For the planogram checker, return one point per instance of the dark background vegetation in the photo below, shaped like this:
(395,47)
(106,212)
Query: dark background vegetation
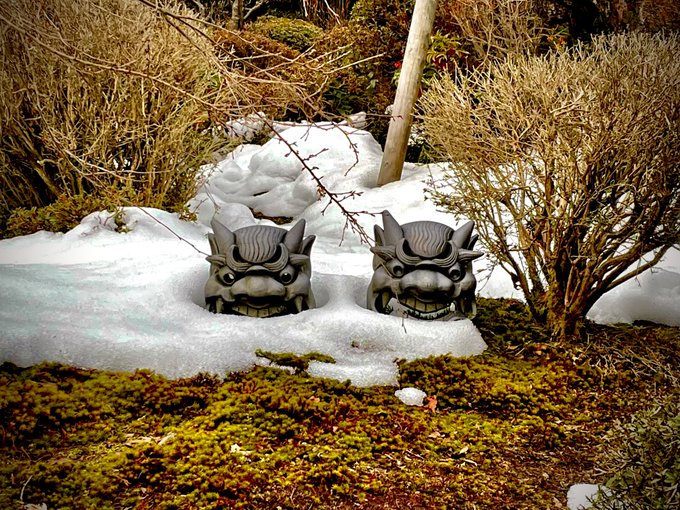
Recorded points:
(344,56)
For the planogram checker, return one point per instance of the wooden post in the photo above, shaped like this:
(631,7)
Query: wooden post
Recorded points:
(236,20)
(407,91)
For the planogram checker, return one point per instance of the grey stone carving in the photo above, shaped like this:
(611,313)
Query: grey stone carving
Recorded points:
(423,269)
(259,271)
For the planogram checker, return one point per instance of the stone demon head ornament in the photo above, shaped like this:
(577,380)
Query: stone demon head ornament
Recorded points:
(259,271)
(423,269)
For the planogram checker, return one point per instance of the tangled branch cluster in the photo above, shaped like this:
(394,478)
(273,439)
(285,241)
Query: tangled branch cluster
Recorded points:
(569,163)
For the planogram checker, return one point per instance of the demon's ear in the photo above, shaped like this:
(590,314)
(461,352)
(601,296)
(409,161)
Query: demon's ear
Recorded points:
(393,231)
(307,243)
(214,249)
(217,260)
(379,235)
(222,238)
(293,238)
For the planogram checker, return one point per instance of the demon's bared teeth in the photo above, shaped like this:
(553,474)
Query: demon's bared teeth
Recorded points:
(382,302)
(408,302)
(385,297)
(258,312)
(240,309)
(299,302)
(421,310)
(277,309)
(421,306)
(219,305)
(429,316)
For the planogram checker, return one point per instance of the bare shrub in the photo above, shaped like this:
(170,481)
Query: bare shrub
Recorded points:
(569,164)
(326,12)
(493,29)
(117,98)
(280,81)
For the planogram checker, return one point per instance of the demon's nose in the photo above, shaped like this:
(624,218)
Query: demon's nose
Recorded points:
(258,286)
(425,282)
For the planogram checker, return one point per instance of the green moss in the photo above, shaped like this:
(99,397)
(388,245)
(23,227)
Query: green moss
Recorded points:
(512,428)
(534,396)
(494,385)
(296,33)
(507,325)
(51,404)
(299,363)
(62,215)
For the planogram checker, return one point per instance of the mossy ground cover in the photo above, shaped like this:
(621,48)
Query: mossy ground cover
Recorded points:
(512,428)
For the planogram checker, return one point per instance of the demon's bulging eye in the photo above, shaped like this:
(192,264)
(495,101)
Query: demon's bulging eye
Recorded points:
(456,273)
(227,277)
(395,267)
(287,275)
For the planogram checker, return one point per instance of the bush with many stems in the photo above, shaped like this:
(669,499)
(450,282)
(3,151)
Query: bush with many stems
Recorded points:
(117,100)
(569,163)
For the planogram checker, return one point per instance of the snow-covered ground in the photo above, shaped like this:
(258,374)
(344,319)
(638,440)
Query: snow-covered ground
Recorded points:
(97,298)
(580,495)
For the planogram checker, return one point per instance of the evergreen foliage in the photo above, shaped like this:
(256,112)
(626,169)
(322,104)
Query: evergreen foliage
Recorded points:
(296,33)
(643,458)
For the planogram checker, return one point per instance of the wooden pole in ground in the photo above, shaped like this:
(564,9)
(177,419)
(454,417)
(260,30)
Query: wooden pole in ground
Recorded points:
(236,20)
(407,91)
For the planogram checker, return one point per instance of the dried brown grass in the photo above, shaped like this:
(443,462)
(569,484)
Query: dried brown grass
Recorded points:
(493,29)
(118,98)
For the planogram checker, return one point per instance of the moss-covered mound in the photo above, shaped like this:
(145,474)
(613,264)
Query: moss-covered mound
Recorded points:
(513,428)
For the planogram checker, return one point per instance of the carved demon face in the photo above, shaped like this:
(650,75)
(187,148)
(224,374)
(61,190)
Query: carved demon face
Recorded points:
(259,271)
(423,269)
